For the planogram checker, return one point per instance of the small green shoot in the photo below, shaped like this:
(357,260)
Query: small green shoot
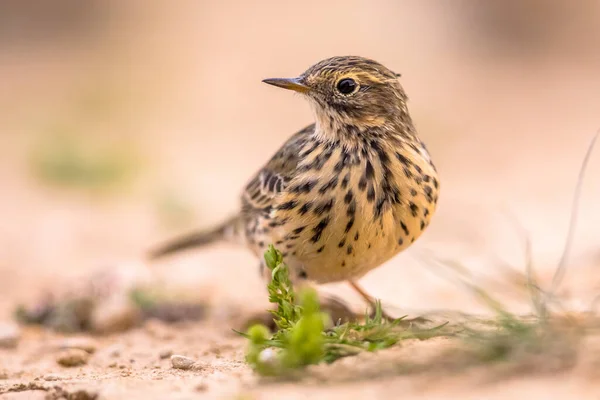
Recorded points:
(302,339)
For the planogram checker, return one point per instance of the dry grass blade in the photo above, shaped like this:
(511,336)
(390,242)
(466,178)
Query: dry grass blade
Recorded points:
(536,293)
(464,278)
(561,268)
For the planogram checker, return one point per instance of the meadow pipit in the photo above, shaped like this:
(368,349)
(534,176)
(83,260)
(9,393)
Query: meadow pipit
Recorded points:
(345,194)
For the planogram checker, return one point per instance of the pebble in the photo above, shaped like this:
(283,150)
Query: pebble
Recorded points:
(201,387)
(82,343)
(53,377)
(165,354)
(73,357)
(117,314)
(58,392)
(182,362)
(268,356)
(9,335)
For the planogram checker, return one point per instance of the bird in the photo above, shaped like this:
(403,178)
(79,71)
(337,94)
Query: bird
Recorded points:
(346,193)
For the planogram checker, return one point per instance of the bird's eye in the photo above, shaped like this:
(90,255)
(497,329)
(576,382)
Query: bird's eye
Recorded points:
(347,86)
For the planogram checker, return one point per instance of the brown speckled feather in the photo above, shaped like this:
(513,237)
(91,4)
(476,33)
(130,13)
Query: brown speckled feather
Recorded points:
(273,179)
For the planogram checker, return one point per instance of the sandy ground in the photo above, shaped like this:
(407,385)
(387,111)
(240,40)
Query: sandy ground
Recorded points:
(508,132)
(128,366)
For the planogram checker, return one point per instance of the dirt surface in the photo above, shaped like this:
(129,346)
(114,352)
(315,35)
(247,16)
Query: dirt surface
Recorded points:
(129,366)
(178,91)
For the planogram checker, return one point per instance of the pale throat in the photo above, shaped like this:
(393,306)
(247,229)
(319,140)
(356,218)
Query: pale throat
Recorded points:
(331,126)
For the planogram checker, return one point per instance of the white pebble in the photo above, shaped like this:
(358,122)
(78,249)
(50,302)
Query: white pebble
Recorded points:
(267,356)
(182,362)
(9,335)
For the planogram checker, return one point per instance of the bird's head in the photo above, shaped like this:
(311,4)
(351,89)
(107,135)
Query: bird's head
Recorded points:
(350,90)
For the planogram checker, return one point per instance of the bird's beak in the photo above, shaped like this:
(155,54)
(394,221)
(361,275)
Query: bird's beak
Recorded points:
(294,84)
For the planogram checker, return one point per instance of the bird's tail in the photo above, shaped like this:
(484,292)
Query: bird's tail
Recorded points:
(229,230)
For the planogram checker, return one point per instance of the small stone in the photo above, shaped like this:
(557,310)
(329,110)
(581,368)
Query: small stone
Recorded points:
(82,343)
(165,354)
(3,375)
(182,362)
(115,315)
(52,377)
(82,395)
(9,335)
(267,356)
(73,357)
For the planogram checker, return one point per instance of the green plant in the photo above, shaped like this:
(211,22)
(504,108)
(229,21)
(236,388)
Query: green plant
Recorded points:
(301,337)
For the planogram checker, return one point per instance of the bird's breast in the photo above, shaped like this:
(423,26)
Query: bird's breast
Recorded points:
(347,213)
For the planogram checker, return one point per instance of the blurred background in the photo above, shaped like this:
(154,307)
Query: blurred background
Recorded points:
(125,122)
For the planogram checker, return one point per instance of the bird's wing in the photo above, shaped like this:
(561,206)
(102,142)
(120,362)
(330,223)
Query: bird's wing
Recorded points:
(274,177)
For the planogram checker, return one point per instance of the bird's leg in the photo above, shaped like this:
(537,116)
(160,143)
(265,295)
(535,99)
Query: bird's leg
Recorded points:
(369,299)
(372,302)
(338,310)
